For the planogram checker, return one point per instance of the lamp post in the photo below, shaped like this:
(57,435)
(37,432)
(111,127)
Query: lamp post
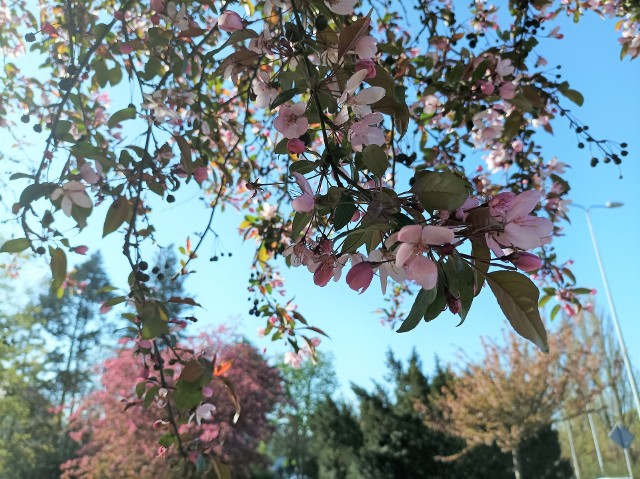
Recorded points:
(612,309)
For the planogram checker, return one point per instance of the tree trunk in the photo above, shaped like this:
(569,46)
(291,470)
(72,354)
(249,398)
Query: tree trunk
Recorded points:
(517,466)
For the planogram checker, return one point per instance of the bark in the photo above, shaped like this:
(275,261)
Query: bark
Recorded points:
(517,466)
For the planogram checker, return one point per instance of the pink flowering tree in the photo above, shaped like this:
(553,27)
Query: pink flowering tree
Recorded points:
(338,126)
(124,429)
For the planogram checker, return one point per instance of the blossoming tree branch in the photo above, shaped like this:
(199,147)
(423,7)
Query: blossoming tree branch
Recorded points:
(340,127)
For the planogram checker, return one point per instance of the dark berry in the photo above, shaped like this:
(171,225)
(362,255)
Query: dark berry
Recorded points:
(594,162)
(40,250)
(170,198)
(25,118)
(72,70)
(580,145)
(37,128)
(321,23)
(66,84)
(155,270)
(30,37)
(160,276)
(143,265)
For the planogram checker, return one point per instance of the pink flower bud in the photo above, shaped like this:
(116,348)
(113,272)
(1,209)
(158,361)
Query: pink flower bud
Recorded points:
(295,146)
(367,64)
(157,6)
(80,249)
(568,309)
(359,277)
(487,88)
(125,48)
(230,22)
(200,174)
(527,262)
(104,308)
(454,304)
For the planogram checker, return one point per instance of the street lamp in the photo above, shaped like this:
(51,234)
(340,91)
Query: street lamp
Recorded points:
(612,309)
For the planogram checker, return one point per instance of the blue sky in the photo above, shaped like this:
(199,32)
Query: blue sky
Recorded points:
(589,55)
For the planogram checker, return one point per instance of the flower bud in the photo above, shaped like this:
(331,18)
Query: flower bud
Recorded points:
(359,277)
(366,64)
(527,262)
(295,146)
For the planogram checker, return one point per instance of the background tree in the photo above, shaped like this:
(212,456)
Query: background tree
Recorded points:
(613,406)
(119,417)
(306,389)
(70,318)
(513,393)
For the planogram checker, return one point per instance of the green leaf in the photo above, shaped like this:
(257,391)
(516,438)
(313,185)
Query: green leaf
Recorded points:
(150,396)
(58,267)
(573,95)
(300,221)
(186,396)
(121,115)
(438,305)
(518,299)
(555,311)
(35,192)
(461,282)
(343,213)
(167,439)
(440,191)
(376,160)
(351,34)
(481,255)
(302,166)
(155,320)
(141,387)
(118,213)
(16,245)
(423,299)
(186,158)
(284,97)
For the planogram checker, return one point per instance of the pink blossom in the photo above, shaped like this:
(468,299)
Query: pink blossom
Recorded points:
(517,146)
(292,359)
(104,308)
(72,192)
(359,276)
(504,67)
(261,86)
(387,263)
(366,47)
(368,65)
(508,90)
(364,132)
(291,121)
(295,146)
(305,202)
(416,240)
(204,412)
(88,174)
(521,230)
(431,103)
(360,102)
(341,7)
(230,22)
(423,271)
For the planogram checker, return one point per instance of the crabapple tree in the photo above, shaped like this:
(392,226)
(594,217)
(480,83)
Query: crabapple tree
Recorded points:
(340,126)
